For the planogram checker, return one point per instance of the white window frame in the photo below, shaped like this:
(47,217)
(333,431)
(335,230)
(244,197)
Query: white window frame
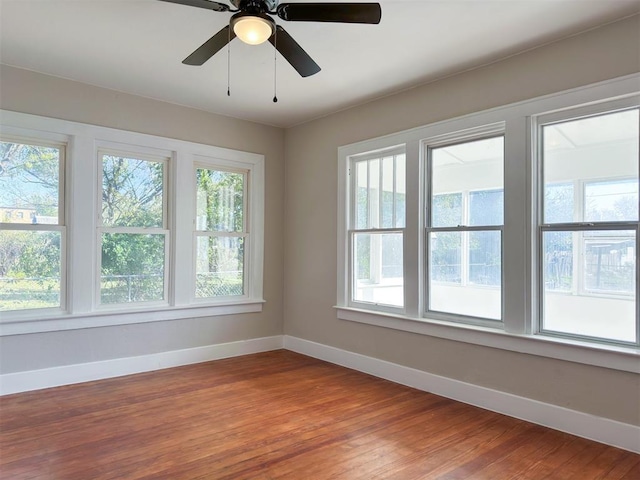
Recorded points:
(520,308)
(247,280)
(81,308)
(30,137)
(538,122)
(148,155)
(354,230)
(456,138)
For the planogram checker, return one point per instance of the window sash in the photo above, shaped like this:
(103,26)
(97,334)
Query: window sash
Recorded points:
(578,224)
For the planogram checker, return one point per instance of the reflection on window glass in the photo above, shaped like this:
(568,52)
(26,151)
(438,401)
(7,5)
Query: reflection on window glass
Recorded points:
(132,268)
(29,269)
(379,269)
(219,266)
(132,192)
(29,183)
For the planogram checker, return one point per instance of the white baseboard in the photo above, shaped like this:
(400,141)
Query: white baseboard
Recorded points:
(581,424)
(85,372)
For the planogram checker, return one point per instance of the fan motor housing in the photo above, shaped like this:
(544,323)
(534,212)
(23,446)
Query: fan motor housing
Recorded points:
(269,5)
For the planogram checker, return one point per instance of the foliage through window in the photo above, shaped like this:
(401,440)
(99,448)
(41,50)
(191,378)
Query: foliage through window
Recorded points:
(221,233)
(133,235)
(32,232)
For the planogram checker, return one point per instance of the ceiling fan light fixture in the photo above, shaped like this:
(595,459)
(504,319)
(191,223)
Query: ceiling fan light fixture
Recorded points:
(252,29)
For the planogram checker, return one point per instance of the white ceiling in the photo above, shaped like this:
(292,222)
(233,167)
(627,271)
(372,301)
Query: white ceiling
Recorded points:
(137,46)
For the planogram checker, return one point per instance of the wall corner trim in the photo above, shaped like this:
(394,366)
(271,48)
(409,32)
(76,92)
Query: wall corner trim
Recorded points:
(581,424)
(85,372)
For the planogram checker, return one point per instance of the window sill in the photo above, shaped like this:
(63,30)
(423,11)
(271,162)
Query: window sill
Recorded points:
(607,356)
(35,322)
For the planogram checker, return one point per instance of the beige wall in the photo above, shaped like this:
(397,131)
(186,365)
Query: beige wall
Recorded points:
(29,92)
(308,216)
(310,222)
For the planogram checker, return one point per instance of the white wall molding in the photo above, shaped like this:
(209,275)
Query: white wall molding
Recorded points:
(581,424)
(85,372)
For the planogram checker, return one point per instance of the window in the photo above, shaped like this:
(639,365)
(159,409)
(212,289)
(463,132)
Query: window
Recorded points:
(140,229)
(520,228)
(133,236)
(377,229)
(32,231)
(465,221)
(221,232)
(589,225)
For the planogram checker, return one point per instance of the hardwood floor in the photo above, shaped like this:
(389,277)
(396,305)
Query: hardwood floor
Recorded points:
(279,415)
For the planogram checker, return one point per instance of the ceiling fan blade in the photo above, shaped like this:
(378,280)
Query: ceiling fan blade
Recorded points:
(330,12)
(208,4)
(209,48)
(293,53)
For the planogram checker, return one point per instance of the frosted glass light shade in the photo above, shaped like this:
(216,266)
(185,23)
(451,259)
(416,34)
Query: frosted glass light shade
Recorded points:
(252,30)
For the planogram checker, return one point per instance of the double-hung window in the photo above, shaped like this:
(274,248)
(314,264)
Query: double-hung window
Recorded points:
(132,231)
(588,224)
(377,222)
(522,227)
(464,218)
(32,224)
(221,233)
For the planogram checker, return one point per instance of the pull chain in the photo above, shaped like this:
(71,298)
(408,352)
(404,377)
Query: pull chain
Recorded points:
(229,64)
(275,64)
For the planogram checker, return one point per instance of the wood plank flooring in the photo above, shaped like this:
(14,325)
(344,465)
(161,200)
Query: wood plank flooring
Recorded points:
(279,415)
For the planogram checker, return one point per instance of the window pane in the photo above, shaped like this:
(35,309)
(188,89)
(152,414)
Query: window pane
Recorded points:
(474,165)
(445,260)
(29,183)
(220,201)
(380,192)
(611,201)
(485,258)
(219,266)
(132,192)
(132,268)
(558,203)
(448,290)
(379,269)
(401,191)
(362,194)
(486,207)
(29,270)
(558,261)
(446,210)
(604,306)
(601,151)
(610,264)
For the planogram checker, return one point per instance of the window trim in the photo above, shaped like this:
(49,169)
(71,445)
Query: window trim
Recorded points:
(83,141)
(520,185)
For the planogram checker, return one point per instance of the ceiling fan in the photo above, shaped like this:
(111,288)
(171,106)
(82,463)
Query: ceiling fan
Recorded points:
(252,23)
